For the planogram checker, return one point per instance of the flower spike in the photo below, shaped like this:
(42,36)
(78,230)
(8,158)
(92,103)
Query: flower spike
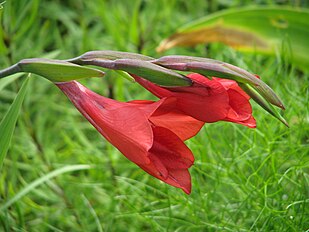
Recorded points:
(158,71)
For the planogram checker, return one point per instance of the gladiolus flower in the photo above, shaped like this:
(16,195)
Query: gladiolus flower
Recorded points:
(208,100)
(148,133)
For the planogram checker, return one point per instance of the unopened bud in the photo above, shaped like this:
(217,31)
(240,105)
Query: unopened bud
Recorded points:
(108,55)
(149,71)
(262,102)
(209,67)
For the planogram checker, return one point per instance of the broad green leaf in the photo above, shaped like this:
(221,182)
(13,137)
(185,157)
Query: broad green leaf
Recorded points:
(267,30)
(41,180)
(7,124)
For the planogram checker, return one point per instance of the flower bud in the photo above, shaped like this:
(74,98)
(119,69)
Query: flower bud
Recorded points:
(147,70)
(209,67)
(262,102)
(108,55)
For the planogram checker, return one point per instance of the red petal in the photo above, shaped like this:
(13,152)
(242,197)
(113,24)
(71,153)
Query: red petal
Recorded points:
(170,160)
(206,100)
(180,178)
(126,127)
(170,149)
(157,150)
(230,84)
(240,107)
(250,122)
(153,88)
(210,108)
(148,107)
(184,126)
(168,116)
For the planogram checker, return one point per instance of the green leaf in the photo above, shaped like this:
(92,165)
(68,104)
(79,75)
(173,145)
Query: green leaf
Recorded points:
(7,125)
(255,29)
(41,180)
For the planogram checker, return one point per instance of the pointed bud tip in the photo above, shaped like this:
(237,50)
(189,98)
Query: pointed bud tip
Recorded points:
(285,122)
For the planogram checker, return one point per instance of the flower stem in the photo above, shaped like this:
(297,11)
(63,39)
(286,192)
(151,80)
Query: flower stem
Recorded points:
(10,70)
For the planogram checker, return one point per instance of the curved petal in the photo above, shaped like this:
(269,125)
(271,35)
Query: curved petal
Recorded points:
(241,110)
(250,122)
(240,107)
(157,150)
(170,159)
(180,178)
(124,126)
(170,149)
(168,116)
(206,100)
(230,84)
(153,88)
(184,126)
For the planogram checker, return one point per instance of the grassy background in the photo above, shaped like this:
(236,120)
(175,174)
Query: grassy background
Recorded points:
(243,179)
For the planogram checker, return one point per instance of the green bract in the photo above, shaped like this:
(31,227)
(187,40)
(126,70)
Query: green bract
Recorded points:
(53,70)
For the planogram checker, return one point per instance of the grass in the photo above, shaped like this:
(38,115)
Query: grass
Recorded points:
(61,175)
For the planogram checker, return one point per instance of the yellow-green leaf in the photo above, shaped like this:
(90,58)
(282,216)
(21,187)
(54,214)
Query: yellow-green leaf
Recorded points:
(255,29)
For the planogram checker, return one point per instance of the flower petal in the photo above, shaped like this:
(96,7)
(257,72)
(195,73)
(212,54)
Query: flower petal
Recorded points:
(240,107)
(184,126)
(205,100)
(170,159)
(124,126)
(170,149)
(168,116)
(180,178)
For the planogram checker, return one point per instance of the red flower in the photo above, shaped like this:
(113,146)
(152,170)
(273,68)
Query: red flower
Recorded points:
(150,134)
(208,100)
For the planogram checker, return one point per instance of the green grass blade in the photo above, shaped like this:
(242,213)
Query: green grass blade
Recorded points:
(7,124)
(43,179)
(6,81)
(251,29)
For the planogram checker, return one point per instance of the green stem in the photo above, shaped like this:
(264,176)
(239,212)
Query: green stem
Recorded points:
(10,70)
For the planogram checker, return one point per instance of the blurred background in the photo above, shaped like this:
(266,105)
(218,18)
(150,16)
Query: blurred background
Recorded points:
(243,179)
